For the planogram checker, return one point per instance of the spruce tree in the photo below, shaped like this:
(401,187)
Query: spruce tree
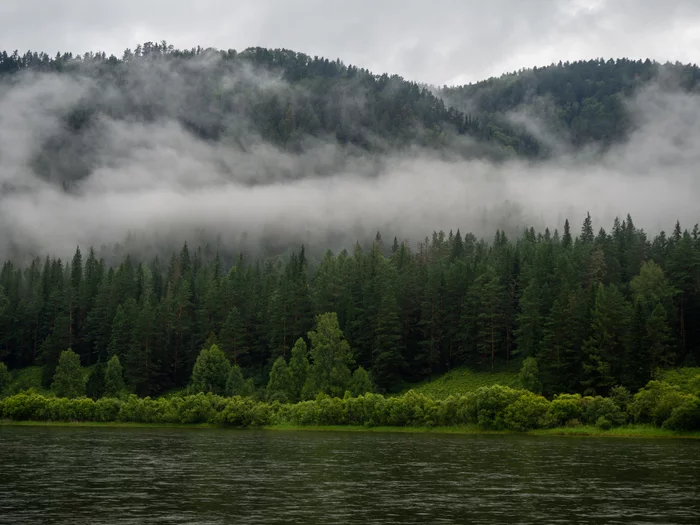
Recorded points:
(68,380)
(210,372)
(114,378)
(280,385)
(95,385)
(299,369)
(331,358)
(236,385)
(360,383)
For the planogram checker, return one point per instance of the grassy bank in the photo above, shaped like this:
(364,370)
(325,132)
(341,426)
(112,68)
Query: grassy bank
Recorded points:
(106,424)
(630,431)
(460,381)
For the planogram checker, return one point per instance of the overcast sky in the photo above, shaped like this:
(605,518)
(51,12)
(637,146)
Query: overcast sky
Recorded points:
(435,41)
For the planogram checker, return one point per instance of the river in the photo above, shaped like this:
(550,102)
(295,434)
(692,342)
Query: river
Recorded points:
(79,475)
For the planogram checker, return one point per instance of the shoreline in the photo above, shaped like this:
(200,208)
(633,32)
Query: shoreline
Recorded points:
(630,431)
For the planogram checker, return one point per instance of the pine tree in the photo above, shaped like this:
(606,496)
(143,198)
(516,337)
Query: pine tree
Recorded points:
(605,348)
(114,378)
(299,369)
(280,385)
(388,346)
(490,319)
(529,376)
(210,372)
(95,386)
(5,378)
(236,385)
(360,383)
(331,358)
(122,327)
(232,337)
(68,380)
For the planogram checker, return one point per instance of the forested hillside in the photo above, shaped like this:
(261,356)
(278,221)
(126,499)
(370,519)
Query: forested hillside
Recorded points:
(285,98)
(595,309)
(583,100)
(99,142)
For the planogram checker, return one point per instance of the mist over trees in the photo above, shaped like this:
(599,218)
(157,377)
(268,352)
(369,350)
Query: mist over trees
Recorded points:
(283,98)
(250,155)
(136,154)
(594,310)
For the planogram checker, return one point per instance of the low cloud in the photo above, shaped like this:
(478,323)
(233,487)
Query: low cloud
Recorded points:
(156,182)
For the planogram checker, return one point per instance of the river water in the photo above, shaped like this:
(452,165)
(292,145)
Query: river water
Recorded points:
(203,476)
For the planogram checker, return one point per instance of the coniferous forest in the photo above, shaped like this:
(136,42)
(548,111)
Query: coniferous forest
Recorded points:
(595,309)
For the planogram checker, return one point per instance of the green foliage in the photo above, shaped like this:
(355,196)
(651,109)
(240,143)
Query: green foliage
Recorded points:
(331,358)
(5,378)
(563,409)
(528,412)
(491,405)
(489,408)
(646,402)
(95,385)
(68,380)
(299,369)
(236,385)
(242,412)
(594,311)
(602,364)
(597,408)
(686,416)
(529,377)
(114,379)
(621,397)
(360,383)
(210,372)
(461,381)
(603,424)
(687,379)
(280,386)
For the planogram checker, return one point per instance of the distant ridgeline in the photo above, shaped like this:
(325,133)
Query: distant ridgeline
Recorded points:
(595,310)
(287,97)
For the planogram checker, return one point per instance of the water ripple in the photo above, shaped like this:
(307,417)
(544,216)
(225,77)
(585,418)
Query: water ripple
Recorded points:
(185,476)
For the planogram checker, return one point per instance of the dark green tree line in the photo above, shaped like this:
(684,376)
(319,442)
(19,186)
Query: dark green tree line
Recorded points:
(594,310)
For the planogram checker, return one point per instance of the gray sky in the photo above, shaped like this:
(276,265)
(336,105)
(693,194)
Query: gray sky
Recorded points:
(438,41)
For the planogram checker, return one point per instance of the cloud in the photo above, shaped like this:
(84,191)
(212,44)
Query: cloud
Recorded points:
(442,42)
(154,181)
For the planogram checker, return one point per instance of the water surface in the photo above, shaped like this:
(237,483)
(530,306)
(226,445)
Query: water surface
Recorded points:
(202,476)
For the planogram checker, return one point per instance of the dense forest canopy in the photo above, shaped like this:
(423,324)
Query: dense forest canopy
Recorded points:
(595,309)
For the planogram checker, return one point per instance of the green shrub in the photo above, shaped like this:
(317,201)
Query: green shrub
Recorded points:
(526,413)
(643,407)
(563,408)
(595,408)
(666,404)
(491,403)
(685,417)
(107,409)
(23,407)
(332,411)
(195,409)
(621,397)
(603,424)
(240,412)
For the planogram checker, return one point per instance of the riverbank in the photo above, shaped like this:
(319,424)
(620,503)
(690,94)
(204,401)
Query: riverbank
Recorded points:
(630,431)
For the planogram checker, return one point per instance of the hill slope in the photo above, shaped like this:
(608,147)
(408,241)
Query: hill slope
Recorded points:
(292,100)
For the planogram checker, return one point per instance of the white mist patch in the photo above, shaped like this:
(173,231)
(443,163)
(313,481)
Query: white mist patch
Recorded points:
(156,179)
